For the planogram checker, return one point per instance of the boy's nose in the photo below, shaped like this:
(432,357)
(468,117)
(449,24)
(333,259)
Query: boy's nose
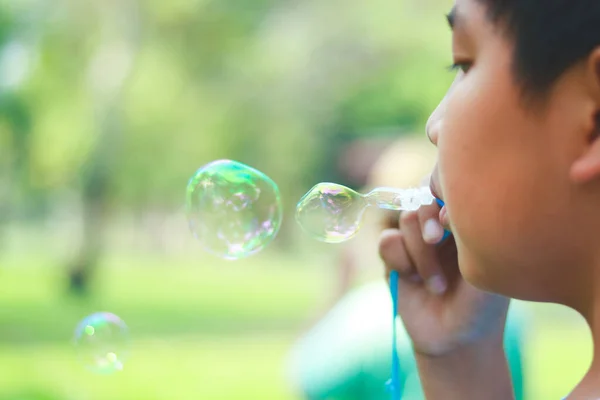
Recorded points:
(433,128)
(434,124)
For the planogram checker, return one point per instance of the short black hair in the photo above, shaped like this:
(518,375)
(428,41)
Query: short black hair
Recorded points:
(550,37)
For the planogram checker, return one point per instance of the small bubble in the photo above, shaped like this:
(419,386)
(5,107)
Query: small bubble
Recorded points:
(102,341)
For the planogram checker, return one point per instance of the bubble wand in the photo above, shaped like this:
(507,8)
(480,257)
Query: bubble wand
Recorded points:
(333,213)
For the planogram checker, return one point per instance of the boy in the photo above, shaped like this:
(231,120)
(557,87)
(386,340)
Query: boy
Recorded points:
(518,136)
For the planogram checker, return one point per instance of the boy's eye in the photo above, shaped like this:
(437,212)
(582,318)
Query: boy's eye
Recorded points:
(460,66)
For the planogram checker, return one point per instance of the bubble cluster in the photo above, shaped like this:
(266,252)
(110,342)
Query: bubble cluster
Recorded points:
(233,210)
(102,341)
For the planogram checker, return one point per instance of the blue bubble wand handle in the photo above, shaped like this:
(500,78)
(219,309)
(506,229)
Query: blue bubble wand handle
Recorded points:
(394,384)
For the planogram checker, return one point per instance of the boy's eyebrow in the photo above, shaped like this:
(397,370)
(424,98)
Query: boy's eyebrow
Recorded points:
(452,18)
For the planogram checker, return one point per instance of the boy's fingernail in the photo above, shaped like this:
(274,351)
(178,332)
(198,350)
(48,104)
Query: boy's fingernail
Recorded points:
(436,285)
(446,234)
(432,231)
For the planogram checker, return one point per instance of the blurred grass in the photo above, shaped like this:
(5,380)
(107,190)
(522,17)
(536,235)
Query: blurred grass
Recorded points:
(205,329)
(202,367)
(202,328)
(158,297)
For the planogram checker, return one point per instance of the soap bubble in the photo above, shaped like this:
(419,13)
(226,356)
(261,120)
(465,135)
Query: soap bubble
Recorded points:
(331,213)
(102,341)
(234,210)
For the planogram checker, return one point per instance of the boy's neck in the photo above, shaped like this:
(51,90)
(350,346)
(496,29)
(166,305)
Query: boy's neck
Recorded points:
(589,387)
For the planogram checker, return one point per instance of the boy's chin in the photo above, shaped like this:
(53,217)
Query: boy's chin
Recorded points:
(476,273)
(491,277)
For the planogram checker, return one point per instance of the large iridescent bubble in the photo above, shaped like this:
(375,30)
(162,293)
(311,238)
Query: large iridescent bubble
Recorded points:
(233,210)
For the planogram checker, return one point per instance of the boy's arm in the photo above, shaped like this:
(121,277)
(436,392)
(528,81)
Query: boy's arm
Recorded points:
(477,372)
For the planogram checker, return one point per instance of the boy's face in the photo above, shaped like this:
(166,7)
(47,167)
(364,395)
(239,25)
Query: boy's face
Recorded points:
(504,168)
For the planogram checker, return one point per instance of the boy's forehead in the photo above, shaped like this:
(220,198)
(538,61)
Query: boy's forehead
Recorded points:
(452,17)
(456,16)
(466,15)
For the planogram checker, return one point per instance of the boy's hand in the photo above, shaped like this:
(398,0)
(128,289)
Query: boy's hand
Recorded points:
(442,313)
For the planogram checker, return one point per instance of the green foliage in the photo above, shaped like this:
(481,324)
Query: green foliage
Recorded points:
(261,82)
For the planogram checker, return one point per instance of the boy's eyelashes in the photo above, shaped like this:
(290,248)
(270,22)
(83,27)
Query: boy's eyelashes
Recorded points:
(460,66)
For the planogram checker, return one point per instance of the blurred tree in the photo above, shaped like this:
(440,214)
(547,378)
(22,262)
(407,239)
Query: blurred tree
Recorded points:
(16,48)
(127,99)
(108,71)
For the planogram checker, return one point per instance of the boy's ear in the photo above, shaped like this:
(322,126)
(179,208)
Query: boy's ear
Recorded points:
(587,166)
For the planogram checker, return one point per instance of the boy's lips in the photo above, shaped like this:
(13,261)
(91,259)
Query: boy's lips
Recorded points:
(443,215)
(434,192)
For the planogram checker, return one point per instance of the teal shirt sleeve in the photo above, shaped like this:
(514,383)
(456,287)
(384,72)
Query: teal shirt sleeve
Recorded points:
(346,356)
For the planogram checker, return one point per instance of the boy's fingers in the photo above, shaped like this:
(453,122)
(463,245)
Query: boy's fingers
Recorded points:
(423,255)
(431,229)
(392,251)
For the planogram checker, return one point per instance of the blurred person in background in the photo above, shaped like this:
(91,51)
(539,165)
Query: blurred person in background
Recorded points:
(347,354)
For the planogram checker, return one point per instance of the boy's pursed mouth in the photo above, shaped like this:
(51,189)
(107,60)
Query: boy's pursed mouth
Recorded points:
(434,192)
